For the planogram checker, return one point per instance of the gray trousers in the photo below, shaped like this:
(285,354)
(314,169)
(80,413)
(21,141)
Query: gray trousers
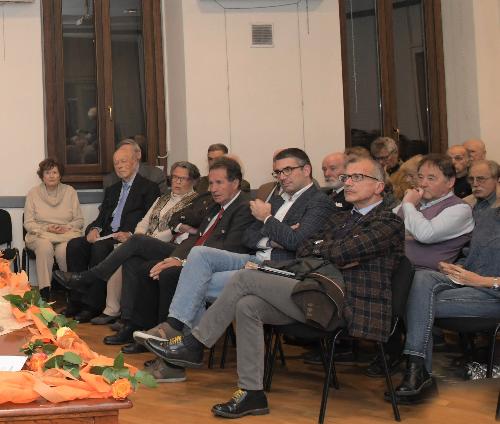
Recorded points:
(253,299)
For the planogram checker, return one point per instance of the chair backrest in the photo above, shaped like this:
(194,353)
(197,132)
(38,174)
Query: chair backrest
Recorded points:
(401,285)
(5,227)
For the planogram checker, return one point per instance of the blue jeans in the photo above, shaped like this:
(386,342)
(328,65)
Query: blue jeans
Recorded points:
(434,295)
(205,274)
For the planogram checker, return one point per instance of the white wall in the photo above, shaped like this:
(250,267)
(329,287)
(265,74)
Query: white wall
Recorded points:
(255,100)
(22,119)
(471,35)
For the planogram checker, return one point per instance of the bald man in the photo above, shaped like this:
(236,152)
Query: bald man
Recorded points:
(476,149)
(461,161)
(333,165)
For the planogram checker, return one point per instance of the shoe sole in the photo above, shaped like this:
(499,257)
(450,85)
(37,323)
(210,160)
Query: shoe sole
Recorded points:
(417,391)
(262,411)
(141,337)
(170,380)
(107,322)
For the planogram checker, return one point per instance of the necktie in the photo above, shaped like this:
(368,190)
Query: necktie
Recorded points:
(204,237)
(117,214)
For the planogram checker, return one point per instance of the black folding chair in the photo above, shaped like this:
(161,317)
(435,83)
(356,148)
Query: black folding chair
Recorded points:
(6,238)
(401,284)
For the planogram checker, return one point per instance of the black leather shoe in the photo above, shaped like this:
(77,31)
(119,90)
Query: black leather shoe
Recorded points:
(132,348)
(117,325)
(174,351)
(376,367)
(85,316)
(72,309)
(243,403)
(78,281)
(45,294)
(416,379)
(103,319)
(124,336)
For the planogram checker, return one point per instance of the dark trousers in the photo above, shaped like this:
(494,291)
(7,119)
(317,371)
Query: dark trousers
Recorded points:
(80,254)
(153,304)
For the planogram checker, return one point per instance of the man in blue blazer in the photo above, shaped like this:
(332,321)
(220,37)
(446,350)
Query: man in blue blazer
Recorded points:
(124,205)
(280,226)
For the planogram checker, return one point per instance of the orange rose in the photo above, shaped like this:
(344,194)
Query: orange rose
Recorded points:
(121,388)
(36,362)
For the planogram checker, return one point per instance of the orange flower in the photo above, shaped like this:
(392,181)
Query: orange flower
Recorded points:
(121,388)
(36,362)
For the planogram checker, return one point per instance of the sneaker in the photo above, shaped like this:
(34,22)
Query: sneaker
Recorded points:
(162,332)
(163,373)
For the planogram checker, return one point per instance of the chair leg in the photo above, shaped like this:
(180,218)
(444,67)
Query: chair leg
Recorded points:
(224,347)
(211,356)
(489,371)
(280,351)
(272,360)
(497,417)
(328,377)
(390,386)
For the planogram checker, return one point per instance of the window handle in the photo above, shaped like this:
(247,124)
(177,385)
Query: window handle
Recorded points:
(110,112)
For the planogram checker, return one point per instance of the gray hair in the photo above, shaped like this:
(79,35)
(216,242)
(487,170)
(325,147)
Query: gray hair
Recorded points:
(193,171)
(491,164)
(130,142)
(383,143)
(378,169)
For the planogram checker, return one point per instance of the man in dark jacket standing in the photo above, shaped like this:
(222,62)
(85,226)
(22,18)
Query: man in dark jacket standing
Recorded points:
(365,243)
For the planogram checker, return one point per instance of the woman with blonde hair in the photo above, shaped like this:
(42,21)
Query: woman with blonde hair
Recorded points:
(405,177)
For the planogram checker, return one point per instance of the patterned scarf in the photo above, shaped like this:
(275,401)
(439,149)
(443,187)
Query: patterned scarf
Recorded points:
(155,223)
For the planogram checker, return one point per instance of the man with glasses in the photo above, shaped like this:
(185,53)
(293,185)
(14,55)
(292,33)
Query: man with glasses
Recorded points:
(279,227)
(461,161)
(484,178)
(365,244)
(385,151)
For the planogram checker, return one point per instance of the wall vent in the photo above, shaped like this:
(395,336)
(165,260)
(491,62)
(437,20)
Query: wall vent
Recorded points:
(262,35)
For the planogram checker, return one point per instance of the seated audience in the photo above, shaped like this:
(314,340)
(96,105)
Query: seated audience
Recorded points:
(366,244)
(150,241)
(470,288)
(279,228)
(476,149)
(405,177)
(124,205)
(385,151)
(357,151)
(150,172)
(216,151)
(461,161)
(438,224)
(484,177)
(52,217)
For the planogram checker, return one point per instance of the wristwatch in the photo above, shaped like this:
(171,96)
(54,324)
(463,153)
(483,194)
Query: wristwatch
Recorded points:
(496,284)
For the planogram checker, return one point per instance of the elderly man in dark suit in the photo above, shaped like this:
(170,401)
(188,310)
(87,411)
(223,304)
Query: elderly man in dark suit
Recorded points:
(366,244)
(279,227)
(124,205)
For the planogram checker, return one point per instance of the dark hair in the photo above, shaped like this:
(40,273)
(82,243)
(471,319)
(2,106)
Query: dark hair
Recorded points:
(233,168)
(48,164)
(218,147)
(294,153)
(443,162)
(194,172)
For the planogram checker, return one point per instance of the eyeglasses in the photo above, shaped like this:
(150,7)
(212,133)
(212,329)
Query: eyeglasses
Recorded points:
(179,179)
(356,178)
(285,171)
(479,180)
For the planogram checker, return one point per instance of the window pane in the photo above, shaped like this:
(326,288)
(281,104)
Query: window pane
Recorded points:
(363,72)
(80,88)
(129,105)
(410,77)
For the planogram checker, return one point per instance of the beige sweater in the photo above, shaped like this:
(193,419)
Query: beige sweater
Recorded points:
(42,210)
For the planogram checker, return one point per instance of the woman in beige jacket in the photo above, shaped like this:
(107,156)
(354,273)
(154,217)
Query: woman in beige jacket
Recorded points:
(52,216)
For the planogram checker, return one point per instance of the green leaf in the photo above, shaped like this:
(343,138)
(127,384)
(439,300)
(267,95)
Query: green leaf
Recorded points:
(122,372)
(54,362)
(17,301)
(74,371)
(48,314)
(49,348)
(72,358)
(97,370)
(119,362)
(146,378)
(109,375)
(40,316)
(60,321)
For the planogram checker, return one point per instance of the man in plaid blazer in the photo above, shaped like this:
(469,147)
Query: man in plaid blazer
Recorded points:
(365,244)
